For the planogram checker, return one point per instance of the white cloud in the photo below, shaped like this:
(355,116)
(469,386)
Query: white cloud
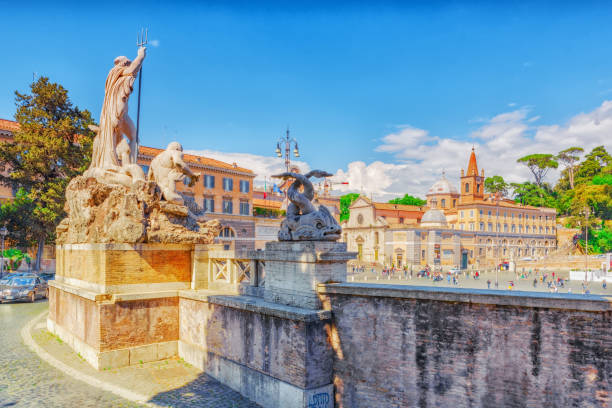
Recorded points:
(262,166)
(154,43)
(419,158)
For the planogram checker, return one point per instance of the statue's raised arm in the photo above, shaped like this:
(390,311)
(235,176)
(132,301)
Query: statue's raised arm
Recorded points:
(134,67)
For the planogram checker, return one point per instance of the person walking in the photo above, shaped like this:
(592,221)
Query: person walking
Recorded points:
(488,283)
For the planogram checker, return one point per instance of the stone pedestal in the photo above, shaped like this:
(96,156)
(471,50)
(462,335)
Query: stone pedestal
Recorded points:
(293,270)
(117,304)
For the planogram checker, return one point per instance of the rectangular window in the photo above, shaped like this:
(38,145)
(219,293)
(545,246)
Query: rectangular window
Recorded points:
(244,207)
(505,227)
(187,180)
(482,226)
(401,220)
(471,226)
(228,184)
(244,186)
(489,213)
(209,204)
(490,227)
(209,181)
(461,214)
(482,212)
(228,207)
(471,213)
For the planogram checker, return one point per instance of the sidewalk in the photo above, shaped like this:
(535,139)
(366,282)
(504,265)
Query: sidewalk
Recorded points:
(167,383)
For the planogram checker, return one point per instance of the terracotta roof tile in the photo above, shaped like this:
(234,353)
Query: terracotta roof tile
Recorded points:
(260,202)
(400,207)
(189,158)
(11,125)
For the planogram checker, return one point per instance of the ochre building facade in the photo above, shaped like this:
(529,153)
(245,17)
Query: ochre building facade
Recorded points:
(459,228)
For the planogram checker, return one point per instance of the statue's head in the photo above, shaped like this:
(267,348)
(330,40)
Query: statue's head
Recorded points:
(175,146)
(122,61)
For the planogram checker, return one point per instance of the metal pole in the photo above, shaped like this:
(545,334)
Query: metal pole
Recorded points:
(2,266)
(497,239)
(287,151)
(138,113)
(586,252)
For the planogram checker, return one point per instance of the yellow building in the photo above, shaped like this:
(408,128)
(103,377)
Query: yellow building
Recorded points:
(460,228)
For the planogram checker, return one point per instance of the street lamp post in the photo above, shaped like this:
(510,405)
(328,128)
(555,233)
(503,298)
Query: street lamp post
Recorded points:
(587,212)
(497,239)
(3,233)
(288,141)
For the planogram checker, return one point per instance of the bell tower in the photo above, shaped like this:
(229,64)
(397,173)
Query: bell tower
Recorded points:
(472,185)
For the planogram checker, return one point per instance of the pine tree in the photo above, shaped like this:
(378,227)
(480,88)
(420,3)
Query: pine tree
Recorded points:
(52,145)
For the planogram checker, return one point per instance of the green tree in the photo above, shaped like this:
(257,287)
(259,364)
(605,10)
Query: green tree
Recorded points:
(345,202)
(598,161)
(531,194)
(16,215)
(496,184)
(408,200)
(539,164)
(570,157)
(52,145)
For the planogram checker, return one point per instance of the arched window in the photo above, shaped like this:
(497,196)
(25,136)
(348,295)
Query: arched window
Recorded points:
(467,187)
(227,232)
(478,188)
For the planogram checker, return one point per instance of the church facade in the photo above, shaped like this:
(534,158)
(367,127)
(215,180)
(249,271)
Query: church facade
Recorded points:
(462,228)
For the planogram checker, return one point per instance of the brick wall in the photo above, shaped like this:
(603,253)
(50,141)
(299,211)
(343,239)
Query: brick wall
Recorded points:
(414,348)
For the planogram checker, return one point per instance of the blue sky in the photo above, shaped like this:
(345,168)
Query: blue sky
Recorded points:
(350,80)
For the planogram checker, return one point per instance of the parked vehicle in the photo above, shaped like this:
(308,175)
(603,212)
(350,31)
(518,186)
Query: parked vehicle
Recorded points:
(454,271)
(24,288)
(48,276)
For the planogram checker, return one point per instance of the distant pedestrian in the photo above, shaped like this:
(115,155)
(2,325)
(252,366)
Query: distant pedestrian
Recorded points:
(488,283)
(604,284)
(535,282)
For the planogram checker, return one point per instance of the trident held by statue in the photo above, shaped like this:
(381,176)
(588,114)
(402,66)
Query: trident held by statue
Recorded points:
(141,41)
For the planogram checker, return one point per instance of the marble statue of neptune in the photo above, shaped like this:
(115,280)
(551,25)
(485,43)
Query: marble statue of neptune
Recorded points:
(115,122)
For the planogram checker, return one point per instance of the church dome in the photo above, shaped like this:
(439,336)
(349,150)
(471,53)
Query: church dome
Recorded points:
(433,218)
(442,186)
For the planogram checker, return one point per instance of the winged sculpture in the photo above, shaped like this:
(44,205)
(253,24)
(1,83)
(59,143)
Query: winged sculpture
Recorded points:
(304,221)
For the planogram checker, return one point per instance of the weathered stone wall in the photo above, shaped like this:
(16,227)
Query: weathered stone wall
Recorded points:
(76,314)
(115,325)
(138,322)
(405,347)
(280,343)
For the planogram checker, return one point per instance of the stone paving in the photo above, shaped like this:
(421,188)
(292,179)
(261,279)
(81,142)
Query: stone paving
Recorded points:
(595,288)
(26,381)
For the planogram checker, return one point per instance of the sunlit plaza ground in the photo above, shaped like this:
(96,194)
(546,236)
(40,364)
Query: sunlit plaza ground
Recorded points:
(521,281)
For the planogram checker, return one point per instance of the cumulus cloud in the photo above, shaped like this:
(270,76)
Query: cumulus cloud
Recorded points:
(418,158)
(262,166)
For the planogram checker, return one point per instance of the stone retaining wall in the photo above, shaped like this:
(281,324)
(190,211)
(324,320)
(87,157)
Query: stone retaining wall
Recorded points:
(399,346)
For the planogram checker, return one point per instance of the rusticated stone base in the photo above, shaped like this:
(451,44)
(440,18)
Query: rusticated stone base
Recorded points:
(110,332)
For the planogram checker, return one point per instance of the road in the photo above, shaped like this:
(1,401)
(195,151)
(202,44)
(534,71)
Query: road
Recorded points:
(27,381)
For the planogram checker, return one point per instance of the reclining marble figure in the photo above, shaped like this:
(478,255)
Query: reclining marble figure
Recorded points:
(167,168)
(305,222)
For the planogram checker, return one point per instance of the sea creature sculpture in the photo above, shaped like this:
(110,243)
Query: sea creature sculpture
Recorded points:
(305,222)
